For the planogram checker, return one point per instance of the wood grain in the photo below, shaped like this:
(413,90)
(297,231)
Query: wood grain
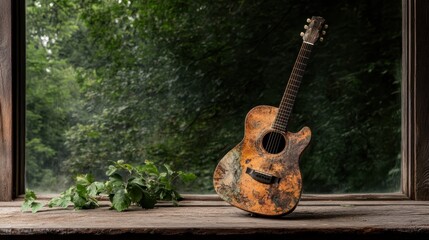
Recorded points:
(415,104)
(6,165)
(422,100)
(407,88)
(196,220)
(239,189)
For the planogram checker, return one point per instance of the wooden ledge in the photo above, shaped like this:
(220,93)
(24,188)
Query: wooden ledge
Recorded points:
(212,219)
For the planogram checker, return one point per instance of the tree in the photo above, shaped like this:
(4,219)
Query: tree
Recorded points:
(171,81)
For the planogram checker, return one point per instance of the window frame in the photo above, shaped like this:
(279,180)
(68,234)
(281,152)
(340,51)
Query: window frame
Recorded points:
(415,105)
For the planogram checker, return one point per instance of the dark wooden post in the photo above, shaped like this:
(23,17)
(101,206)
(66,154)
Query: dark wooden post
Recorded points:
(421,96)
(6,161)
(415,95)
(12,98)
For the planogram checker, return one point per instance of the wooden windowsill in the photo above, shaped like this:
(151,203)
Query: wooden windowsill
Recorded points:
(208,219)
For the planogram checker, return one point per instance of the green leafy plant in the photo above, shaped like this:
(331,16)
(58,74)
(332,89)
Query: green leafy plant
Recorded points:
(30,203)
(142,185)
(81,196)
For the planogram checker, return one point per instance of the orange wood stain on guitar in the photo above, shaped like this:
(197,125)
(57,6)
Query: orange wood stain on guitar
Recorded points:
(239,189)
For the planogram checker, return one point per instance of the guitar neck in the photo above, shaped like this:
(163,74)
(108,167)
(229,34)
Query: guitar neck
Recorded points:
(288,99)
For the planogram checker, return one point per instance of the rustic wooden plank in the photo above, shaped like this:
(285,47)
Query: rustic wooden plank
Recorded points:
(316,197)
(6,166)
(421,97)
(370,219)
(354,196)
(407,91)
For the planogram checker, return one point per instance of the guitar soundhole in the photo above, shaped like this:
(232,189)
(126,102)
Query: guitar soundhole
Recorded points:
(273,142)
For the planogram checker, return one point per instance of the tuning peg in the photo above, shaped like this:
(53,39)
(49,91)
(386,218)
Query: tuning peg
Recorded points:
(305,26)
(323,32)
(326,26)
(301,34)
(321,39)
(308,20)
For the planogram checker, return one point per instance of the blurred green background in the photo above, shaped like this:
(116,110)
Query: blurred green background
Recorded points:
(172,80)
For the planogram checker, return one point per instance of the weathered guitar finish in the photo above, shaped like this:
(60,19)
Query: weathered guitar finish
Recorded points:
(261,174)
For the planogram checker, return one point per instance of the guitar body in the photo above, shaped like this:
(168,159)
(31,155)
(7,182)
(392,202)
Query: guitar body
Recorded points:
(261,174)
(255,180)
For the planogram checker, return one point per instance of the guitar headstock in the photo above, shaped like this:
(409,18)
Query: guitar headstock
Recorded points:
(315,30)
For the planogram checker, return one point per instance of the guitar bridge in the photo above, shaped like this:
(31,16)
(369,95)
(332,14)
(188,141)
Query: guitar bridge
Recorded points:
(262,177)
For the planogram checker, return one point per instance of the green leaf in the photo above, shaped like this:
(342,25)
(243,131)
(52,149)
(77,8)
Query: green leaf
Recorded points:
(30,203)
(81,190)
(148,168)
(112,169)
(116,177)
(121,201)
(95,188)
(135,192)
(168,168)
(116,181)
(84,179)
(26,206)
(78,201)
(62,201)
(148,201)
(163,176)
(29,195)
(139,181)
(125,166)
(187,177)
(36,206)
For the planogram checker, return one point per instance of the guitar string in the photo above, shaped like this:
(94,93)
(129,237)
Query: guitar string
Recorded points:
(273,143)
(303,60)
(297,71)
(305,51)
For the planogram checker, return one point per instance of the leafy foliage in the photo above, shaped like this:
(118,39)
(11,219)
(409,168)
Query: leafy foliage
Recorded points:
(172,81)
(81,196)
(141,185)
(30,203)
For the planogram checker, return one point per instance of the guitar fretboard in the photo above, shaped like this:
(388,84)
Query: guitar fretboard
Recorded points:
(288,100)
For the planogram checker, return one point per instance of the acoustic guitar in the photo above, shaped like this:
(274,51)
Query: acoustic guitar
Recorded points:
(261,174)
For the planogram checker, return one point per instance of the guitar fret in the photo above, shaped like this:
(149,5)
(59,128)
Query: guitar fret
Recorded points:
(284,113)
(294,80)
(297,74)
(289,96)
(297,69)
(288,104)
(282,119)
(293,86)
